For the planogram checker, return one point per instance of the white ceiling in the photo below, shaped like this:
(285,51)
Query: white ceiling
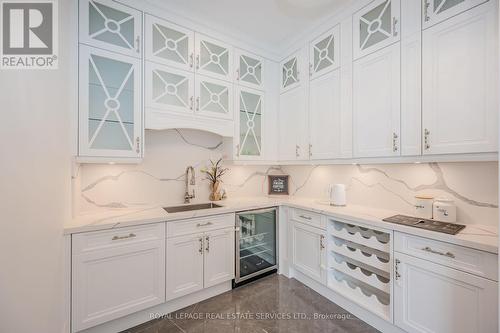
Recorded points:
(273,24)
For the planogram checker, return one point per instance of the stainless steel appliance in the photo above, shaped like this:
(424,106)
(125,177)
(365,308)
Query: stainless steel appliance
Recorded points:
(444,227)
(256,244)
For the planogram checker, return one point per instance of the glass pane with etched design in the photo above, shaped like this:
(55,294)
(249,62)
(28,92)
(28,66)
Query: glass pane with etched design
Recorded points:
(290,73)
(250,124)
(214,58)
(323,53)
(214,98)
(375,25)
(442,5)
(250,70)
(170,44)
(170,89)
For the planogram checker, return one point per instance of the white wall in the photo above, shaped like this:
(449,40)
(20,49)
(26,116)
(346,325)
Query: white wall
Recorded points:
(34,194)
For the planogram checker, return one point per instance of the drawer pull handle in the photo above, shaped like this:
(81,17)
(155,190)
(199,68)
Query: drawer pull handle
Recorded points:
(208,244)
(447,254)
(396,269)
(203,224)
(305,217)
(124,237)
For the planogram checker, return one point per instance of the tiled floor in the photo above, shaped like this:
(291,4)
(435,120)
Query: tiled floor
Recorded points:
(243,310)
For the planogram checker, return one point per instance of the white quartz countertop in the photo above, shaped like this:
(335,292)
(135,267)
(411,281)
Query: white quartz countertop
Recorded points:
(480,237)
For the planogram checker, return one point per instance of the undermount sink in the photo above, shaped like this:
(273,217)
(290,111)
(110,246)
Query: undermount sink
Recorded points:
(187,208)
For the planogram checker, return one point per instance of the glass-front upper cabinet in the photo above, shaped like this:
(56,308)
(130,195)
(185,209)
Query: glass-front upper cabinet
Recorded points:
(214,58)
(436,11)
(290,73)
(249,70)
(169,44)
(110,117)
(169,89)
(376,26)
(324,54)
(111,26)
(249,123)
(214,98)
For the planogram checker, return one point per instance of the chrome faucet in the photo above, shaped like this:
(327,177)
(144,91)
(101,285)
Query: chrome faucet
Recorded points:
(187,196)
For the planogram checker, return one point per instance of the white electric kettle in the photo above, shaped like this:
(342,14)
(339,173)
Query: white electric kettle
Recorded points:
(337,194)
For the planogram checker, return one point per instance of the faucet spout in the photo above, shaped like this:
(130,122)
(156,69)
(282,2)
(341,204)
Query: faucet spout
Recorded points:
(192,181)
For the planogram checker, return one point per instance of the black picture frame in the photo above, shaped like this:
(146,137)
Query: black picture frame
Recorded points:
(278,184)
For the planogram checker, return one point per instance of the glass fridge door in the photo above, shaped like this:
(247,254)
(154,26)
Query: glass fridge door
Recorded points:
(257,242)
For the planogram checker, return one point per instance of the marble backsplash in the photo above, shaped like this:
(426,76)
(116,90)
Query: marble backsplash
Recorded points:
(160,180)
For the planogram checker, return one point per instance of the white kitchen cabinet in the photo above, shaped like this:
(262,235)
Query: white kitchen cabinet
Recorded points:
(309,252)
(433,298)
(460,83)
(376,104)
(249,70)
(249,123)
(436,11)
(324,53)
(116,273)
(184,265)
(325,117)
(291,72)
(168,44)
(110,106)
(293,128)
(213,58)
(219,257)
(376,26)
(214,98)
(112,26)
(169,89)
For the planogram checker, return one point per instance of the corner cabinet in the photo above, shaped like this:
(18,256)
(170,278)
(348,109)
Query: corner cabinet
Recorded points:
(110,117)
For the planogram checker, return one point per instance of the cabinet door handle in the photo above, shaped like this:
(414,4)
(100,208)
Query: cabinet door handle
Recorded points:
(201,245)
(197,61)
(305,217)
(238,74)
(191,60)
(208,244)
(321,242)
(138,42)
(447,254)
(238,150)
(198,103)
(204,224)
(138,145)
(297,154)
(131,235)
(395,147)
(191,102)
(310,150)
(394,26)
(310,69)
(396,269)
(426,11)
(427,144)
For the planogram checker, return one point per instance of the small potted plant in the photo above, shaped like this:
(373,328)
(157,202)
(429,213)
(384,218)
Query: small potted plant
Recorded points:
(213,175)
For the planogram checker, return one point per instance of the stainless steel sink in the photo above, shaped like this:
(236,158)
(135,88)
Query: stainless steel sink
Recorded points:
(187,208)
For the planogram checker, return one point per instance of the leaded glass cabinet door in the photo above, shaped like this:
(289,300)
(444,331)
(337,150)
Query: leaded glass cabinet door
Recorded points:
(376,26)
(214,58)
(214,98)
(324,53)
(169,89)
(110,121)
(111,26)
(290,72)
(435,11)
(169,44)
(249,70)
(249,123)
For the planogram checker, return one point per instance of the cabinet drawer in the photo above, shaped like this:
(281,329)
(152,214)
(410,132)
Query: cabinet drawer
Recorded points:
(310,218)
(197,225)
(100,240)
(472,261)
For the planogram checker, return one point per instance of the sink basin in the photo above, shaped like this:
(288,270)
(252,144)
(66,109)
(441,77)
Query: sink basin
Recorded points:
(187,208)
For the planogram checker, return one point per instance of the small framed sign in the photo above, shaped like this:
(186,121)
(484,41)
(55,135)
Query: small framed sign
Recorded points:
(278,185)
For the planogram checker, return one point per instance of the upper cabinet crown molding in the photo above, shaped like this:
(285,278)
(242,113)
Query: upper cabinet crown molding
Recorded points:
(324,53)
(435,11)
(112,26)
(213,58)
(169,44)
(376,26)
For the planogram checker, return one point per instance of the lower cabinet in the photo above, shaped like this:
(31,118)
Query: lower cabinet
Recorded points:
(199,261)
(309,251)
(434,298)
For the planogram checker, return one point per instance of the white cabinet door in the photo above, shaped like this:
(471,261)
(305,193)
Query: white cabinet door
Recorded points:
(325,117)
(169,44)
(460,83)
(436,11)
(109,25)
(110,107)
(214,98)
(219,257)
(376,104)
(184,265)
(376,26)
(433,298)
(112,283)
(169,89)
(290,72)
(309,254)
(249,70)
(324,53)
(249,124)
(293,134)
(214,58)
